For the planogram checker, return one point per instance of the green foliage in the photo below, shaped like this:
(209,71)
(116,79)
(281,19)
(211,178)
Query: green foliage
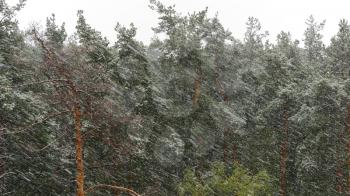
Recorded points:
(313,40)
(141,124)
(55,35)
(216,182)
(10,37)
(92,40)
(339,50)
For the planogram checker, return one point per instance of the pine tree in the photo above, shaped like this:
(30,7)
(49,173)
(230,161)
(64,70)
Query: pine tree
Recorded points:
(313,42)
(54,34)
(10,37)
(95,45)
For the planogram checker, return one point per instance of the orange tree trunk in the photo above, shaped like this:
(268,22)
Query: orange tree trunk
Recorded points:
(51,59)
(79,151)
(283,155)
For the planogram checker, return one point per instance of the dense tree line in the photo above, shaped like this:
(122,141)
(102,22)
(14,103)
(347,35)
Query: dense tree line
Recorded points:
(195,112)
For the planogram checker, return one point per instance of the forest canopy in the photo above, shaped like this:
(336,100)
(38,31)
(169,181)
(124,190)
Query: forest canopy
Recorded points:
(194,112)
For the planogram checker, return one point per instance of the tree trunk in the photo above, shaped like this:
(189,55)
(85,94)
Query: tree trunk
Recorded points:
(197,86)
(2,160)
(225,146)
(197,91)
(283,155)
(339,187)
(223,95)
(79,151)
(348,128)
(234,153)
(55,61)
(339,172)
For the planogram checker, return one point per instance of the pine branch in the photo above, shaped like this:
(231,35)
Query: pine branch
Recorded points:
(41,82)
(115,188)
(7,173)
(49,144)
(37,122)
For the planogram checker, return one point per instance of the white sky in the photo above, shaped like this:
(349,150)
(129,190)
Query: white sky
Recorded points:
(274,15)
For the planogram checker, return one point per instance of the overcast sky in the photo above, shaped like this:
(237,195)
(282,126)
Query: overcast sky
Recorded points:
(274,15)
